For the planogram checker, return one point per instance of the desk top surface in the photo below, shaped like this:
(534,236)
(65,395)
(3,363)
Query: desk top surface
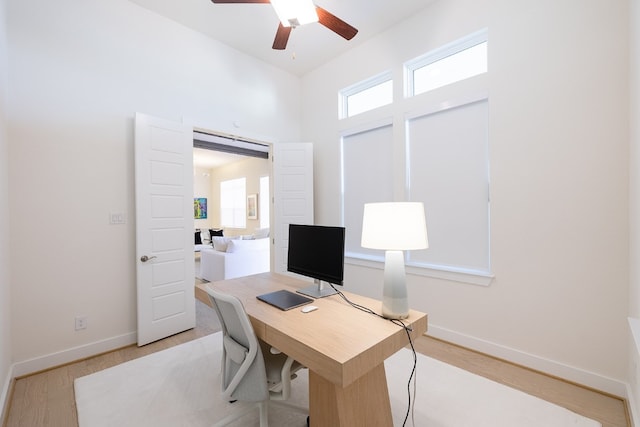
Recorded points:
(337,341)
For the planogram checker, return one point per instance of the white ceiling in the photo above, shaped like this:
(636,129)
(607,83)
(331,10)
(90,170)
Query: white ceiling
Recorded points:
(251,28)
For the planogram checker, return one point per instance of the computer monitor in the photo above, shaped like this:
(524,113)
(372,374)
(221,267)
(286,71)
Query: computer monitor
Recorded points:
(317,251)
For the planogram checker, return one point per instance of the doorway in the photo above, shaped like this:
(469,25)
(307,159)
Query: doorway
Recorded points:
(231,190)
(164,187)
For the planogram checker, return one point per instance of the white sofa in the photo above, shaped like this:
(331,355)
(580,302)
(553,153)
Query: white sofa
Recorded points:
(229,258)
(203,238)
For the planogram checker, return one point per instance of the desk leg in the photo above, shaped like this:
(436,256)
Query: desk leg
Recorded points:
(363,403)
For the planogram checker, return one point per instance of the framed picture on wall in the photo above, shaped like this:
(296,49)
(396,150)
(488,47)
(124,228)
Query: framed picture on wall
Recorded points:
(252,206)
(200,208)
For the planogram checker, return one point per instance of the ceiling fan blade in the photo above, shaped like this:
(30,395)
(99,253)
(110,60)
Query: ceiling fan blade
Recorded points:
(282,37)
(240,1)
(336,24)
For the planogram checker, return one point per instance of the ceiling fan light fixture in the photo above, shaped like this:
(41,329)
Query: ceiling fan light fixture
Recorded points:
(293,13)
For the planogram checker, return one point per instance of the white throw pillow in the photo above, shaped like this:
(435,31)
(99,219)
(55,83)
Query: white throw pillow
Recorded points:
(220,243)
(261,233)
(232,246)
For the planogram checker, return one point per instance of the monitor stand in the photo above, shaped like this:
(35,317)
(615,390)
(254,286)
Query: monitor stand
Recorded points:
(317,290)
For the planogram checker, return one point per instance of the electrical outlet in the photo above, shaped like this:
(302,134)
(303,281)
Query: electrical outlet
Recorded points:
(81,322)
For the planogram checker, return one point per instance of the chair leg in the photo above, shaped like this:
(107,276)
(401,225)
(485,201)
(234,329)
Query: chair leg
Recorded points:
(264,413)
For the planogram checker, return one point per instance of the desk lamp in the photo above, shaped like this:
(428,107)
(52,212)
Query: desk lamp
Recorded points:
(394,228)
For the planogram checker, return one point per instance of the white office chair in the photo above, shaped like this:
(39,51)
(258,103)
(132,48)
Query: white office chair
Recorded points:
(251,370)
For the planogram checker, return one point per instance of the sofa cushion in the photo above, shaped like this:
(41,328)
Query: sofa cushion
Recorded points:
(244,245)
(236,244)
(198,239)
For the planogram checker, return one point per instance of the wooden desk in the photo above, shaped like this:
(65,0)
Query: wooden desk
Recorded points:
(344,348)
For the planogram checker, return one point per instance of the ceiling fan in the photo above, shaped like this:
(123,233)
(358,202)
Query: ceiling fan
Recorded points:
(325,18)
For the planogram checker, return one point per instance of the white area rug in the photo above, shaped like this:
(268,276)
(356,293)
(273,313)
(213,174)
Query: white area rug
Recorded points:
(180,386)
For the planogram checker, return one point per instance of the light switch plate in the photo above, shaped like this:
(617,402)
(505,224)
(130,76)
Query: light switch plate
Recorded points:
(117,218)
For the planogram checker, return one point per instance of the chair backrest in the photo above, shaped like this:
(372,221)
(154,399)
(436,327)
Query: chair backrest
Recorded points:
(243,371)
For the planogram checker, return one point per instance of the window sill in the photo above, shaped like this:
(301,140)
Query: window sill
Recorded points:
(439,272)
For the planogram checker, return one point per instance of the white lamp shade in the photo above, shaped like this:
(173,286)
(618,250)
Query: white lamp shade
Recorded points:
(396,226)
(295,12)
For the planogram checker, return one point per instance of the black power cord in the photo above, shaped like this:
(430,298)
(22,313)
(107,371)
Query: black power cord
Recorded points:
(407,329)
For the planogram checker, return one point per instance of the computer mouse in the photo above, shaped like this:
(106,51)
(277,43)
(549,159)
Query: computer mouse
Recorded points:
(308,308)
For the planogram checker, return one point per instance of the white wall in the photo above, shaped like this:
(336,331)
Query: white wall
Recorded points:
(558,83)
(79,70)
(252,169)
(5,303)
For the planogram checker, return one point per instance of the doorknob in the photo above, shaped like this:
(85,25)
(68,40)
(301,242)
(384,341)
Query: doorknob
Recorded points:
(145,258)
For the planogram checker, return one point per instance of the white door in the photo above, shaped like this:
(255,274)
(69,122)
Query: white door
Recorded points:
(164,228)
(292,194)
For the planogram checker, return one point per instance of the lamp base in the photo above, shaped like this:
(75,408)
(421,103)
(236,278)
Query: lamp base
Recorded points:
(395,302)
(387,314)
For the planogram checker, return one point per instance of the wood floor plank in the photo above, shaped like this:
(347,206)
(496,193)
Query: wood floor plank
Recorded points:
(609,410)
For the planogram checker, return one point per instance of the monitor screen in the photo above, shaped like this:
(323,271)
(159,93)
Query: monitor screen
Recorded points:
(317,251)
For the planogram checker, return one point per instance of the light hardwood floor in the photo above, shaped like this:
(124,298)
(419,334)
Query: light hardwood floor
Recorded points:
(47,399)
(609,410)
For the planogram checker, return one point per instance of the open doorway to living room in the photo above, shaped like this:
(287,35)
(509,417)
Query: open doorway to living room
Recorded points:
(231,206)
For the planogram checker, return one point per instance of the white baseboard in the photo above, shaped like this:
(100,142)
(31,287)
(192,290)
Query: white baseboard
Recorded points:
(570,373)
(60,358)
(4,396)
(70,355)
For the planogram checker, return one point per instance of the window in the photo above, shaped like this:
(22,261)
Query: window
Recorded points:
(233,203)
(367,95)
(263,203)
(448,159)
(361,182)
(435,150)
(452,63)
